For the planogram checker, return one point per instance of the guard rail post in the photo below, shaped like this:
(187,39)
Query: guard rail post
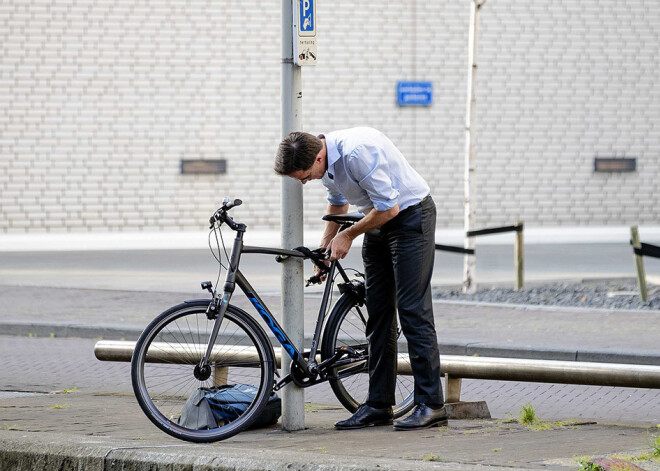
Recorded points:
(519,257)
(519,251)
(640,249)
(639,263)
(453,388)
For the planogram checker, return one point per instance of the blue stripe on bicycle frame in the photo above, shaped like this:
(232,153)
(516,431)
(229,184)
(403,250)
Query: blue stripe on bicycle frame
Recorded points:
(290,349)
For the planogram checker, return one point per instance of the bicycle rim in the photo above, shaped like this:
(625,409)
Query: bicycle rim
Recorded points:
(166,356)
(346,328)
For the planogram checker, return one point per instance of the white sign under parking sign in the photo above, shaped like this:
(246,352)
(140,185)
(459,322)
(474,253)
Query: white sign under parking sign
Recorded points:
(304,32)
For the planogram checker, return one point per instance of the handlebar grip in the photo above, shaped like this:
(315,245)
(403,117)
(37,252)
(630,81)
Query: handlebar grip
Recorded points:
(236,202)
(220,215)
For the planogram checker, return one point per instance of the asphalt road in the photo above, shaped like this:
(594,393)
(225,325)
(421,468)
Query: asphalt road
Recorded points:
(183,270)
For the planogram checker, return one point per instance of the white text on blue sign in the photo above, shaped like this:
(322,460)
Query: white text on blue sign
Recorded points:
(414,93)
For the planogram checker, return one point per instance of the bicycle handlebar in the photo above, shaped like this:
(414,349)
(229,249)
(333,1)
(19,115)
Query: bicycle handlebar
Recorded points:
(317,256)
(222,216)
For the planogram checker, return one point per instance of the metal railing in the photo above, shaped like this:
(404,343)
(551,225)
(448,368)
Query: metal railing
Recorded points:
(455,367)
(519,252)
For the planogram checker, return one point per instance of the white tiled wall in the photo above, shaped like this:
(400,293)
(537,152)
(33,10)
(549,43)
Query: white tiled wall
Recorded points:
(100,100)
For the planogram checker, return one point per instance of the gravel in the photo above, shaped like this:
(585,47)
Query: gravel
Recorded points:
(608,294)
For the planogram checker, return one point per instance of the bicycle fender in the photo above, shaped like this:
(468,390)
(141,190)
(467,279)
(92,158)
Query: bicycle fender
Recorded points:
(200,300)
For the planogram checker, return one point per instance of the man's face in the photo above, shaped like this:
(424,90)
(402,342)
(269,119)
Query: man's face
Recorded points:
(315,172)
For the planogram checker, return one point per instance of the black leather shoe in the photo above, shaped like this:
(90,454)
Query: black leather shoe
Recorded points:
(366,416)
(423,417)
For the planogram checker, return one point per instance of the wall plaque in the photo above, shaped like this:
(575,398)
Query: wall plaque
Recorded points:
(203,167)
(615,164)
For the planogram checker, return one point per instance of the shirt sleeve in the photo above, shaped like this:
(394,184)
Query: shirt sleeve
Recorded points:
(369,168)
(335,197)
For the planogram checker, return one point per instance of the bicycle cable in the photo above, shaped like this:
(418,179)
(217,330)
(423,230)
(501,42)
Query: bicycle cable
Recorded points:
(218,257)
(224,248)
(357,273)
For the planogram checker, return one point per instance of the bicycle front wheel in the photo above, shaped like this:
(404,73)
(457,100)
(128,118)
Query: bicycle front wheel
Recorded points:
(166,373)
(346,328)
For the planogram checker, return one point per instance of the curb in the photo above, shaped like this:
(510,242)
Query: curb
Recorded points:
(34,452)
(542,307)
(466,348)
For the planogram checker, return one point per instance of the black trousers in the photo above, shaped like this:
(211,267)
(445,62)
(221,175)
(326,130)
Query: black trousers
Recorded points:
(398,262)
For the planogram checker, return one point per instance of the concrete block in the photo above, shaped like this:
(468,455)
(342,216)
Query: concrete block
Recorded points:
(468,410)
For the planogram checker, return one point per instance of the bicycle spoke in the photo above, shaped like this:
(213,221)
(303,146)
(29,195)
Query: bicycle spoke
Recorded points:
(167,372)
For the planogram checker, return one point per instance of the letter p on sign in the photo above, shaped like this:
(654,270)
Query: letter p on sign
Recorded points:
(304,34)
(307,15)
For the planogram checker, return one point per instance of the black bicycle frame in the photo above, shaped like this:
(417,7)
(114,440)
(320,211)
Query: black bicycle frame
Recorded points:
(235,277)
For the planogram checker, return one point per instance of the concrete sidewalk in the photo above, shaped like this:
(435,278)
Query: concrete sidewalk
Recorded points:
(95,429)
(105,431)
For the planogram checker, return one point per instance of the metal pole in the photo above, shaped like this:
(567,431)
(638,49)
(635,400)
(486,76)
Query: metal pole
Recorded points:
(519,258)
(293,399)
(470,261)
(639,264)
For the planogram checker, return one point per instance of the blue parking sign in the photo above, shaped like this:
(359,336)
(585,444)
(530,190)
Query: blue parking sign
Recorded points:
(414,93)
(307,15)
(304,32)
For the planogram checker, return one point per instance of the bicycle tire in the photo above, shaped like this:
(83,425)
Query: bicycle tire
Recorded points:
(167,352)
(346,326)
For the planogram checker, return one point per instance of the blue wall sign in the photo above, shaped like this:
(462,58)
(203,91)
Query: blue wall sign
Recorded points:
(414,93)
(307,15)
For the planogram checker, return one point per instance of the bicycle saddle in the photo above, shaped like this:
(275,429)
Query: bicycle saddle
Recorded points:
(343,218)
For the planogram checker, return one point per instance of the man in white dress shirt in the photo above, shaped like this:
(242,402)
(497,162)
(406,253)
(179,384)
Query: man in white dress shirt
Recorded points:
(361,166)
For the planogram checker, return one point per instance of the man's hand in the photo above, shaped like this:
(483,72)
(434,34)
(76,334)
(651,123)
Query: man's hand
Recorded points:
(317,272)
(339,246)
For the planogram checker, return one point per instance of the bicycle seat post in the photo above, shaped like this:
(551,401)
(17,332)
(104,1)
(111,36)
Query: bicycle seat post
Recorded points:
(345,226)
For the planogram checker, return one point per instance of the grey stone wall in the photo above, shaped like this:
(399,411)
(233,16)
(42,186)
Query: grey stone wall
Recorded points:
(100,101)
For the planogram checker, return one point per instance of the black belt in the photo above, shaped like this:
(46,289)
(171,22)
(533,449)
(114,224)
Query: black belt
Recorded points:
(424,200)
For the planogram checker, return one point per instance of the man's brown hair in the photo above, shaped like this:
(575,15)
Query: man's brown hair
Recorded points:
(297,151)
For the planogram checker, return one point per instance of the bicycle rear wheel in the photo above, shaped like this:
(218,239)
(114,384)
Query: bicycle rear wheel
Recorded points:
(346,328)
(165,368)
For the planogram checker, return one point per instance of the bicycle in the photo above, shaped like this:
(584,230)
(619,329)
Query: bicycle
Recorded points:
(202,343)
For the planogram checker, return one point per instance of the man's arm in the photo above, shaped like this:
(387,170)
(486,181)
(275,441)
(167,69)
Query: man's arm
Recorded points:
(341,243)
(331,228)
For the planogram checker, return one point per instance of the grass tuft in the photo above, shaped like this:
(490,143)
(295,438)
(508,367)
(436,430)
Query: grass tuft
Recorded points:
(586,464)
(656,447)
(528,415)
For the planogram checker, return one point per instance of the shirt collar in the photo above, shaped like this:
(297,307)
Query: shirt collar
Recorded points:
(332,155)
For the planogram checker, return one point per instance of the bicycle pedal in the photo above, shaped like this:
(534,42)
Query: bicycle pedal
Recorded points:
(349,350)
